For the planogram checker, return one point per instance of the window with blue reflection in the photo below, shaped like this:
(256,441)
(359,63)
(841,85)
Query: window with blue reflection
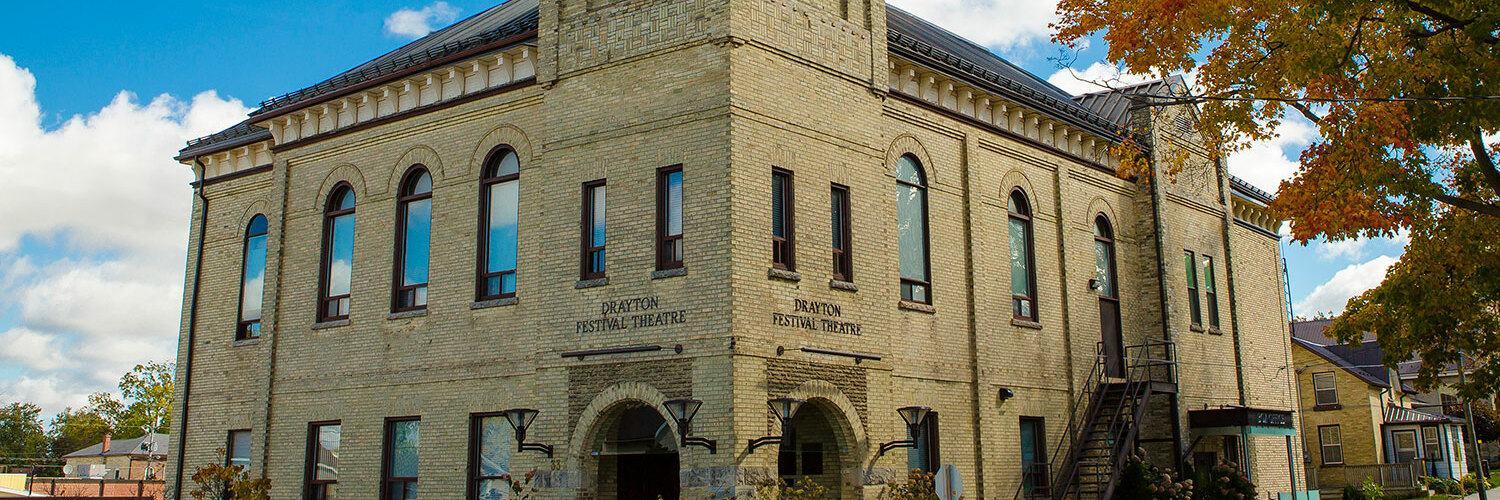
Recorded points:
(500,194)
(338,254)
(415,233)
(252,279)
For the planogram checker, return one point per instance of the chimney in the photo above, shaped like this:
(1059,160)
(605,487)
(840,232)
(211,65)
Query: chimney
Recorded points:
(106,444)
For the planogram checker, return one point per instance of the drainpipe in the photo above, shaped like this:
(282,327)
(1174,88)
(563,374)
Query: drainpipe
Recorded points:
(192,328)
(1166,320)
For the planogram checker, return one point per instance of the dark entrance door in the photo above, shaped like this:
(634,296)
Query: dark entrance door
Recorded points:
(1109,298)
(644,451)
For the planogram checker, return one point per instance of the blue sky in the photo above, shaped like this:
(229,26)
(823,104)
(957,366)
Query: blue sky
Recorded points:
(95,98)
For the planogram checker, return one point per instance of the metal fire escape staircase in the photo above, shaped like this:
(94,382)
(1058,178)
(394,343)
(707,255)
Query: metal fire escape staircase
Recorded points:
(1105,423)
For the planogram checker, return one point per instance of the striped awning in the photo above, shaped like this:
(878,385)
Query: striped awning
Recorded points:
(1399,415)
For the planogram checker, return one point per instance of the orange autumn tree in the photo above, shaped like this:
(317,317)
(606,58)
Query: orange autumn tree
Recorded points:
(1402,93)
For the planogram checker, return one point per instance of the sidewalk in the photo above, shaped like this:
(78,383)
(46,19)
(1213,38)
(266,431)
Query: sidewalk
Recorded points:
(1493,493)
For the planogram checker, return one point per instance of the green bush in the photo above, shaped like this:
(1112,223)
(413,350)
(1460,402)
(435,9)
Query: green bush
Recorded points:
(1223,482)
(1470,483)
(1443,486)
(1143,481)
(1371,490)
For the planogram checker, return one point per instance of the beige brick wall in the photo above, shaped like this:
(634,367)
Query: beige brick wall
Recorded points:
(729,90)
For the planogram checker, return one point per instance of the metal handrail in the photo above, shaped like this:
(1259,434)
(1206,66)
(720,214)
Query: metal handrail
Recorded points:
(1080,403)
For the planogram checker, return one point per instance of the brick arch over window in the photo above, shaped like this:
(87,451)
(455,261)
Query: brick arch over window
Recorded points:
(1100,206)
(825,393)
(343,173)
(257,207)
(909,145)
(417,155)
(1017,179)
(504,135)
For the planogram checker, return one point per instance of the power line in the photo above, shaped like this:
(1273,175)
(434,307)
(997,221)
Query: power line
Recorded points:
(1325,100)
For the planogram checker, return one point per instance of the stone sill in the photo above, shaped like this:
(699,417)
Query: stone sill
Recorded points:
(784,275)
(582,284)
(330,324)
(1332,407)
(916,306)
(406,314)
(246,342)
(843,285)
(669,273)
(1025,323)
(485,304)
(1196,328)
(1215,331)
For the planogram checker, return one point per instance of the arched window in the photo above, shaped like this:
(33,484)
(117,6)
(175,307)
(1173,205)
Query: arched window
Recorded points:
(338,254)
(911,229)
(413,240)
(499,198)
(252,279)
(1104,258)
(1022,258)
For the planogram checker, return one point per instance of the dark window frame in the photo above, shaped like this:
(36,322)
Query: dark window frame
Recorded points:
(487,181)
(398,273)
(1024,202)
(843,238)
(1437,435)
(1323,446)
(329,215)
(1101,221)
(1210,291)
(1195,306)
(229,446)
(310,482)
(587,251)
(928,443)
(784,249)
(243,330)
(670,251)
(476,420)
(926,236)
(1040,469)
(387,454)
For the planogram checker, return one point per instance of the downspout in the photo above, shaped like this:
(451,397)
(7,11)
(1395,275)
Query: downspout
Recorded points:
(1227,199)
(1166,319)
(192,327)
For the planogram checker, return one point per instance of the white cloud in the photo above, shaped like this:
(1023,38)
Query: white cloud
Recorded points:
(1351,249)
(1097,77)
(109,208)
(1265,164)
(1351,281)
(998,24)
(411,23)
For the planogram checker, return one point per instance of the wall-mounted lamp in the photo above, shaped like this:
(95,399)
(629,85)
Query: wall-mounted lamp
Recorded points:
(1095,284)
(1006,393)
(520,419)
(914,416)
(683,411)
(785,409)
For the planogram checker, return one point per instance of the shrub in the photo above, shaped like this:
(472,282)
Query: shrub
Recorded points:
(219,482)
(1352,492)
(1223,482)
(918,486)
(1471,483)
(1371,490)
(1141,480)
(804,489)
(1442,486)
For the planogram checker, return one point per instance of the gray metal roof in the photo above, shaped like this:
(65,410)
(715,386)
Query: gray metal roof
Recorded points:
(152,444)
(1115,105)
(925,42)
(1364,362)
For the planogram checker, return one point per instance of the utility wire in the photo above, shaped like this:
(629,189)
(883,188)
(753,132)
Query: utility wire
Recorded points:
(1329,100)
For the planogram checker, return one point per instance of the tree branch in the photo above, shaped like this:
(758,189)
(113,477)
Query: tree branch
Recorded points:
(1470,205)
(1306,112)
(1450,21)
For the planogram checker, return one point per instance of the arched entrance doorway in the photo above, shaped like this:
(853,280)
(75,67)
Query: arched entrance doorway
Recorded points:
(637,455)
(816,451)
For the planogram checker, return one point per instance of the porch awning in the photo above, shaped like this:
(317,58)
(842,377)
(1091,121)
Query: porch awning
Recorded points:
(1241,420)
(1400,415)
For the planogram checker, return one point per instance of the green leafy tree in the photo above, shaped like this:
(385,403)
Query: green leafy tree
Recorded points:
(147,401)
(21,434)
(73,430)
(1401,93)
(221,482)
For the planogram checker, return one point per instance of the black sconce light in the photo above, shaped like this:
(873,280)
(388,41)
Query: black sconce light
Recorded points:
(520,419)
(785,409)
(1006,393)
(683,411)
(914,416)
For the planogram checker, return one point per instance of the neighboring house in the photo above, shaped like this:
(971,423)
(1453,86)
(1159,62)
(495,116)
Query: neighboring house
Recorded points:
(133,459)
(1360,421)
(14,486)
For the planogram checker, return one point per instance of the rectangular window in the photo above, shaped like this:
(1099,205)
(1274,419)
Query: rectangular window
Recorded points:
(237,449)
(1432,444)
(323,460)
(1194,308)
(1033,457)
(1210,292)
(925,456)
(669,218)
(1325,389)
(593,230)
(1332,444)
(402,440)
(489,457)
(782,221)
(843,261)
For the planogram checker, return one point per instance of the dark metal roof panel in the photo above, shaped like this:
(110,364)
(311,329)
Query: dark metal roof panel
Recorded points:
(232,137)
(1363,362)
(120,447)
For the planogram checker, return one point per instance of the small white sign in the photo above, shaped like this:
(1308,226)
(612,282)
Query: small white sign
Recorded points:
(950,484)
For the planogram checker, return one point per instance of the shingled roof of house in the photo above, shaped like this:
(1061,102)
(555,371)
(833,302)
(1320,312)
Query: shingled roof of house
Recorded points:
(150,444)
